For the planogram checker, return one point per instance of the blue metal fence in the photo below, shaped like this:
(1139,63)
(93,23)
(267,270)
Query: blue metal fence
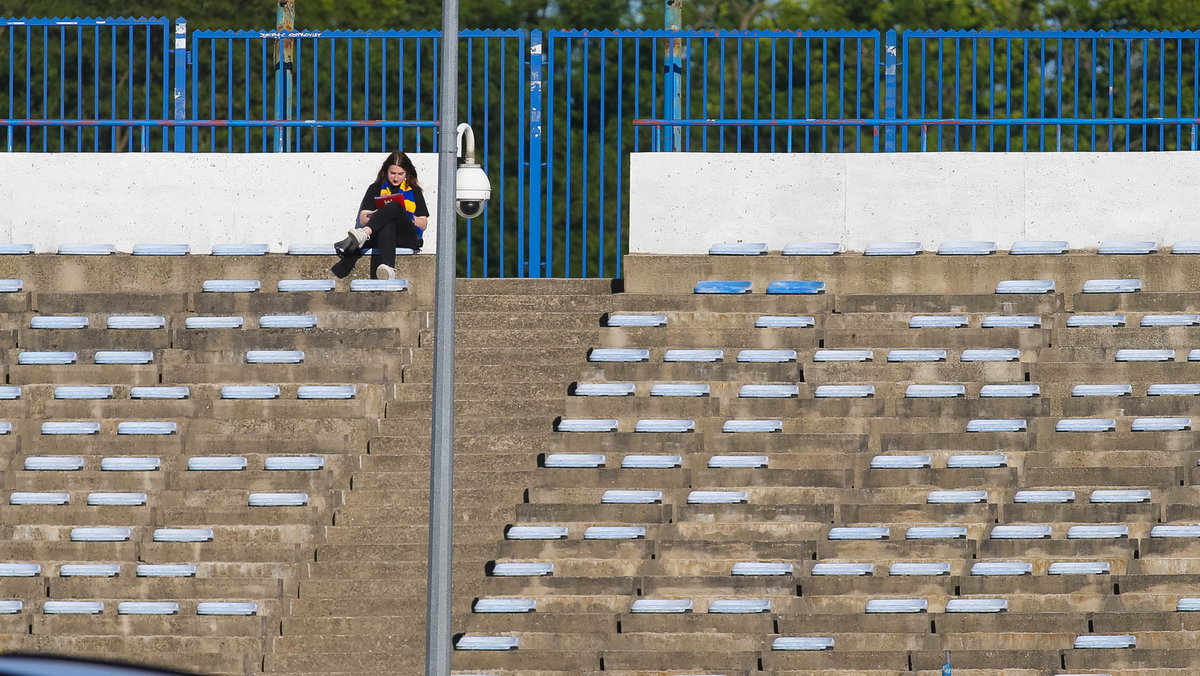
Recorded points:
(555,114)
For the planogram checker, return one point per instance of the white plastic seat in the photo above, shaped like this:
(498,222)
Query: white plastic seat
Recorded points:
(916,355)
(738,249)
(274,356)
(935,533)
(1175,531)
(183,534)
(761,568)
(996,425)
(315,285)
(10,392)
(287,321)
(977,460)
(527,569)
(842,355)
(72,607)
(1079,568)
(326,392)
(213,323)
(166,570)
(737,462)
(1186,247)
(20,569)
(997,354)
(294,463)
(147,608)
(70,428)
(1174,389)
(54,463)
(1102,532)
(239,249)
(844,391)
(368,285)
(487,643)
(1127,247)
(1010,391)
(901,462)
(277,499)
(956,497)
(739,606)
(227,608)
(681,390)
(11,607)
(662,606)
(972,248)
(1112,285)
(13,249)
(1145,355)
(116,499)
(217,464)
(136,322)
(35,358)
(1194,355)
(1160,424)
(935,391)
(614,533)
(83,392)
(38,498)
(152,427)
(1078,321)
(11,285)
(630,497)
(937,322)
(1011,322)
(101,534)
(1115,390)
(1035,286)
(896,606)
(766,356)
(851,569)
(504,606)
(611,354)
(249,392)
(693,355)
(651,461)
(1184,605)
(1085,425)
(892,249)
(123,357)
(58,323)
(660,426)
(306,249)
(1020,532)
(1002,568)
(717,497)
(812,249)
(802,643)
(924,568)
(86,249)
(1039,247)
(859,533)
(769,391)
(1171,320)
(574,460)
(784,322)
(161,249)
(619,320)
(1026,497)
(1115,642)
(977,605)
(231,285)
(1131,495)
(89,570)
(536,533)
(740,426)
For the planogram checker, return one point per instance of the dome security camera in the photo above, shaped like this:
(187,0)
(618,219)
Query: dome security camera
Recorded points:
(473,190)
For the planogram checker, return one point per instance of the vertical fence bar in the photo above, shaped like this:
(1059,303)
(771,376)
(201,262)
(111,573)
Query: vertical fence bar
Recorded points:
(179,94)
(889,95)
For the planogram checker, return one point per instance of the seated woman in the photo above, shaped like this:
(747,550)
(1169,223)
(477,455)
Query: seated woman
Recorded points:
(392,214)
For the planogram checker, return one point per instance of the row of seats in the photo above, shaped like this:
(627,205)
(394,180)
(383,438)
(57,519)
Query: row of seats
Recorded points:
(961,248)
(16,606)
(87,392)
(914,391)
(62,358)
(1008,286)
(199,463)
(997,532)
(685,425)
(86,249)
(902,355)
(149,322)
(48,498)
(959,321)
(253,285)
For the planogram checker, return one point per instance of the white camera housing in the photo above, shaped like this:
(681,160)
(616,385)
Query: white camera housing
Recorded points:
(473,190)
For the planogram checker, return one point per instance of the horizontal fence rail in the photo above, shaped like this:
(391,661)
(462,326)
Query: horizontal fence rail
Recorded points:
(557,114)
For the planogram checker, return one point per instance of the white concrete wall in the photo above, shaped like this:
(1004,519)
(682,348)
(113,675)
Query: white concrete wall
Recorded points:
(684,202)
(197,199)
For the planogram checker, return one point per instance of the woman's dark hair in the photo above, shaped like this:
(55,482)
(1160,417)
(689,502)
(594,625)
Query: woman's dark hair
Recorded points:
(397,158)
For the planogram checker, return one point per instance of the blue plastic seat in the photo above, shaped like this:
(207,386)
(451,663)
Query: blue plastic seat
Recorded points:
(1123,247)
(977,248)
(1010,322)
(311,250)
(723,287)
(892,249)
(795,288)
(231,285)
(1039,247)
(161,249)
(738,249)
(239,249)
(86,249)
(379,285)
(288,285)
(812,249)
(784,322)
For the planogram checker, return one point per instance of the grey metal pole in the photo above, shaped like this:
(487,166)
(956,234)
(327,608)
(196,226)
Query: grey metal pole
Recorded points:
(441,462)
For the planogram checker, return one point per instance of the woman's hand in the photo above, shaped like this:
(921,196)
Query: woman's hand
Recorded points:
(364,216)
(421,222)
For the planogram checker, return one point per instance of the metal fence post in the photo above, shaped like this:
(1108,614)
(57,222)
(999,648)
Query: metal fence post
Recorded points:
(672,137)
(889,94)
(534,167)
(180,56)
(285,22)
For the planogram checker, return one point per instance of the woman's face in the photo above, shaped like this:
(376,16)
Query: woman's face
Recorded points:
(396,174)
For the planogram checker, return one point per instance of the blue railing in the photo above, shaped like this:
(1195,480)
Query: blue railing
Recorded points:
(555,113)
